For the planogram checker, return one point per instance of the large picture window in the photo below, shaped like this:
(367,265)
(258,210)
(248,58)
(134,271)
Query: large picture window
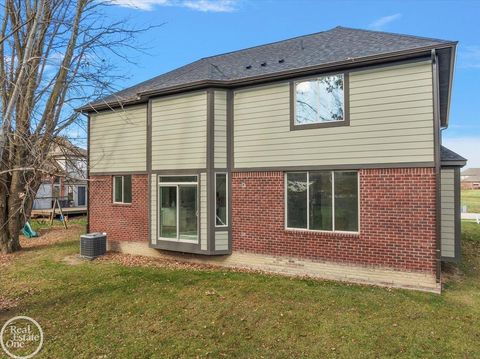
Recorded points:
(320,101)
(122,189)
(322,200)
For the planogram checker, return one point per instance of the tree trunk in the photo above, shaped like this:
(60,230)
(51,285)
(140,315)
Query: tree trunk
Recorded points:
(11,218)
(8,244)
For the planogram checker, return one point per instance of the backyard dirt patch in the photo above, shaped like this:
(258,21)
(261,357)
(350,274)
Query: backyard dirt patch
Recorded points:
(46,237)
(7,303)
(52,236)
(73,260)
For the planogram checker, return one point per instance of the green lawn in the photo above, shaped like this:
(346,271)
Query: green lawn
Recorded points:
(105,310)
(471,199)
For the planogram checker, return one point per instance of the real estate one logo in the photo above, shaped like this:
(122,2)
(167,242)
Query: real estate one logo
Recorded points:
(21,337)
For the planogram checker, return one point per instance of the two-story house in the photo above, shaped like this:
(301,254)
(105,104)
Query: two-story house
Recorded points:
(67,180)
(318,155)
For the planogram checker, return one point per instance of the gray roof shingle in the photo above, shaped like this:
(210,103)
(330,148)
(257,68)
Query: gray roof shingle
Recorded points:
(322,48)
(448,156)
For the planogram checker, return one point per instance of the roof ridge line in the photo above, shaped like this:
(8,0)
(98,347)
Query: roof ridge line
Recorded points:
(269,43)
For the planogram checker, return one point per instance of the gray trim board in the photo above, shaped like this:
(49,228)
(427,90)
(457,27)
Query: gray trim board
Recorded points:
(336,167)
(157,227)
(230,129)
(199,210)
(230,136)
(210,170)
(220,253)
(178,246)
(180,172)
(453,163)
(149,136)
(346,96)
(118,173)
(437,158)
(458,217)
(88,173)
(149,170)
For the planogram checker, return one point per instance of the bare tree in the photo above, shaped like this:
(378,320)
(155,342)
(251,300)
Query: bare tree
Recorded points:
(54,56)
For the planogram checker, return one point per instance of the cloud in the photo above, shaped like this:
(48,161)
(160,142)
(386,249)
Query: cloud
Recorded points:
(466,147)
(211,5)
(198,5)
(469,57)
(381,22)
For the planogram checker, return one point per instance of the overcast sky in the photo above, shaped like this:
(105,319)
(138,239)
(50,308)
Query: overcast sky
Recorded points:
(199,28)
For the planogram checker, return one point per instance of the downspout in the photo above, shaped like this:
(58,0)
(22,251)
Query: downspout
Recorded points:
(437,160)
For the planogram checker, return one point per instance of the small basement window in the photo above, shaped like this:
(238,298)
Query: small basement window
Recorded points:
(320,102)
(122,189)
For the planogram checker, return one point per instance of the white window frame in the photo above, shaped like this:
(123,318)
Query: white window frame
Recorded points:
(123,189)
(323,123)
(177,184)
(332,173)
(226,200)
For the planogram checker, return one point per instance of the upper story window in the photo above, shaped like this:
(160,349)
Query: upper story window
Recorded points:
(320,102)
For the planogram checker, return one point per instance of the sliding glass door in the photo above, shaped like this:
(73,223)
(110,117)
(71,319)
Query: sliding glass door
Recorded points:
(168,211)
(178,202)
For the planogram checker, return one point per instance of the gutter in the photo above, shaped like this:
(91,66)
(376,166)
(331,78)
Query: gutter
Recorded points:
(142,97)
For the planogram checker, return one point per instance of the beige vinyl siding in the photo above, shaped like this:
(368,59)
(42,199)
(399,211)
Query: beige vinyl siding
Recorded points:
(153,208)
(203,212)
(220,129)
(221,241)
(179,131)
(448,212)
(118,140)
(391,121)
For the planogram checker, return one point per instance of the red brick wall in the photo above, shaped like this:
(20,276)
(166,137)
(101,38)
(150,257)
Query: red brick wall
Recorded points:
(124,222)
(397,220)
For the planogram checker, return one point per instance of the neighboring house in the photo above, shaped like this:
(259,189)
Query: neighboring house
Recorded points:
(471,178)
(69,186)
(318,155)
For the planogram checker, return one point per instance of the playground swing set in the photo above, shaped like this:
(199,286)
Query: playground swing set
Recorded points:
(30,233)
